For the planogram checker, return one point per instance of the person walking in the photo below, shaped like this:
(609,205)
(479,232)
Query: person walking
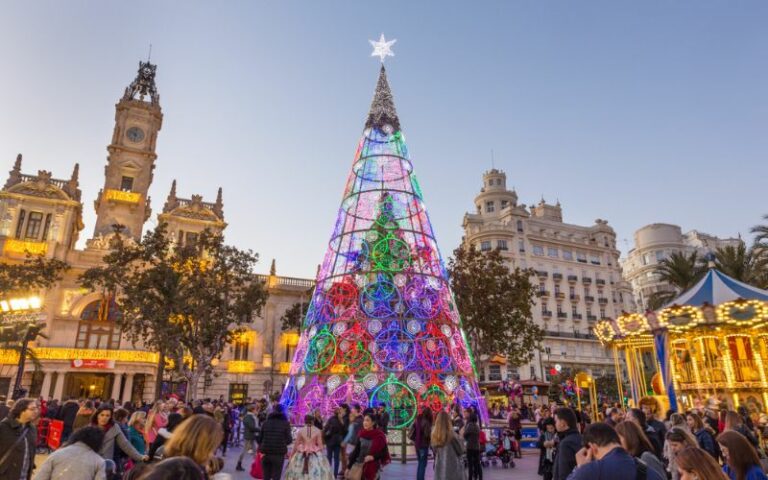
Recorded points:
(634,441)
(740,458)
(603,458)
(307,460)
(113,436)
(638,416)
(694,463)
(250,430)
(18,437)
(67,414)
(136,431)
(371,451)
(383,419)
(735,422)
(196,438)
(354,427)
(273,439)
(678,439)
(79,459)
(702,433)
(157,418)
(420,434)
(333,434)
(448,450)
(471,434)
(569,442)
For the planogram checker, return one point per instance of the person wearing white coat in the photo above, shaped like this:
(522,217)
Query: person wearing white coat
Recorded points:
(79,459)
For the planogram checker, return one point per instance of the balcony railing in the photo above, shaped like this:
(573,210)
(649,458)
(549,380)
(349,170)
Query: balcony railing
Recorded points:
(602,300)
(557,276)
(576,316)
(591,318)
(586,280)
(543,293)
(589,298)
(542,273)
(562,315)
(559,295)
(573,278)
(575,298)
(600,281)
(546,313)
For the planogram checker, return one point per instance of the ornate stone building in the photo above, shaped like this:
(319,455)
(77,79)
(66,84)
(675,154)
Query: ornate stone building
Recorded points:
(84,353)
(657,241)
(577,271)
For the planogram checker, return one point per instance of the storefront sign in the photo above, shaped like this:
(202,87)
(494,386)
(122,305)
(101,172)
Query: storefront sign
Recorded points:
(93,363)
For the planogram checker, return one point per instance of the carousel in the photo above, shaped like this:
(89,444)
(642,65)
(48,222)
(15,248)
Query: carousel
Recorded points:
(708,347)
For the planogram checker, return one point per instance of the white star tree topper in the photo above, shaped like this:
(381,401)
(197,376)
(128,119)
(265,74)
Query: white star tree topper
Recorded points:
(382,48)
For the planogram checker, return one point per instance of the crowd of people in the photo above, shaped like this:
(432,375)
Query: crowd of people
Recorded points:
(170,439)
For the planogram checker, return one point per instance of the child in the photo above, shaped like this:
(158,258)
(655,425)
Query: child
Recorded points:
(547,444)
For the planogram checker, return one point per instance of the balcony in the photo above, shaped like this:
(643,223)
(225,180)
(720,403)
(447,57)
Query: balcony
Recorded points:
(562,315)
(591,318)
(581,260)
(559,295)
(573,278)
(575,298)
(576,316)
(542,293)
(542,273)
(586,281)
(602,300)
(546,313)
(600,281)
(589,298)
(557,277)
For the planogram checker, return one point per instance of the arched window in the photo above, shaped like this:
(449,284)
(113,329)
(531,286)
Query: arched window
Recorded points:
(97,327)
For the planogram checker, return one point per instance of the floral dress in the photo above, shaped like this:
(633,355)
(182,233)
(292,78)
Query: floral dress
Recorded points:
(308,460)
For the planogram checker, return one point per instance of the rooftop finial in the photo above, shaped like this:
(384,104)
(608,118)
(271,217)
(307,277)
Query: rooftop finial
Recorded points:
(171,202)
(383,113)
(218,207)
(272,269)
(143,85)
(14,176)
(75,173)
(149,55)
(17,164)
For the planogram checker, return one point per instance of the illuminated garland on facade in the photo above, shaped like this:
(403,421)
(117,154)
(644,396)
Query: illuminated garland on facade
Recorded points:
(382,327)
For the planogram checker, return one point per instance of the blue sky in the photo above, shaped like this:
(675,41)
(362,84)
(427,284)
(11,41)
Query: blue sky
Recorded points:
(636,112)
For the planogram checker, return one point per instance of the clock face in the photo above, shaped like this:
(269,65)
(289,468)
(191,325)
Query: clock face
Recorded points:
(135,134)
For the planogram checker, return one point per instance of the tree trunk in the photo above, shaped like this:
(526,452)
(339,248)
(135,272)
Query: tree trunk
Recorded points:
(192,387)
(160,373)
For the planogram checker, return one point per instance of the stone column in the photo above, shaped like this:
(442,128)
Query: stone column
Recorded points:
(118,379)
(128,388)
(45,390)
(58,389)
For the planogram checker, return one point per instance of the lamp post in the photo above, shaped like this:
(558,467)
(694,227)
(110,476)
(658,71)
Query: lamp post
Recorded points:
(26,310)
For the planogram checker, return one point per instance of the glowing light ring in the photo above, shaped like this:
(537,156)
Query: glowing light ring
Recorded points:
(350,393)
(398,400)
(342,294)
(370,381)
(353,351)
(460,355)
(394,350)
(391,254)
(311,397)
(678,318)
(424,301)
(378,299)
(742,312)
(434,354)
(604,331)
(633,324)
(322,349)
(374,326)
(434,397)
(414,381)
(413,327)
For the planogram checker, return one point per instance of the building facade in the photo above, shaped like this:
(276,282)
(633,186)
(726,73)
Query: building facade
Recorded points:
(654,243)
(577,271)
(84,354)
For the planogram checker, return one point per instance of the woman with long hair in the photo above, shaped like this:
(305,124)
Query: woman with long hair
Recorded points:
(740,457)
(694,463)
(448,449)
(157,418)
(735,422)
(420,433)
(78,459)
(196,438)
(307,460)
(136,431)
(371,451)
(677,420)
(677,440)
(703,434)
(635,442)
(113,436)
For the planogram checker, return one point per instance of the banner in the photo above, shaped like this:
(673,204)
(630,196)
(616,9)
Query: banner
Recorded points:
(93,363)
(661,339)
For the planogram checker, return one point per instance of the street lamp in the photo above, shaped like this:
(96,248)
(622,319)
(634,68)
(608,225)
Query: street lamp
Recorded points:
(23,311)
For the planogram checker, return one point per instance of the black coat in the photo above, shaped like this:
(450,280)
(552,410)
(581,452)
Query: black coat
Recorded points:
(68,412)
(275,435)
(333,432)
(565,458)
(10,432)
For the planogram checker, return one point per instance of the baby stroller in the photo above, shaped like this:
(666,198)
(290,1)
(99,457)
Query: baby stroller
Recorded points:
(489,455)
(508,447)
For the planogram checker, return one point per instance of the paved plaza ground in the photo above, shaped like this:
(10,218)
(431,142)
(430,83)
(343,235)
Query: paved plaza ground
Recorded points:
(525,469)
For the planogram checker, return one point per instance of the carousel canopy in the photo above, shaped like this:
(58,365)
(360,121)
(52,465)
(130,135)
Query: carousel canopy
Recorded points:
(716,288)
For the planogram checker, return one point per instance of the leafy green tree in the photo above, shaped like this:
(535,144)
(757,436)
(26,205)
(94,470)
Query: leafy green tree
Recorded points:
(738,262)
(495,304)
(760,252)
(293,318)
(680,271)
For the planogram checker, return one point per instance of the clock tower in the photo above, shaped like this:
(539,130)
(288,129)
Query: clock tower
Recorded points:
(131,160)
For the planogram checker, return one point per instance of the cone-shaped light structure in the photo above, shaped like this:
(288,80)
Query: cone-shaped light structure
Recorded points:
(382,327)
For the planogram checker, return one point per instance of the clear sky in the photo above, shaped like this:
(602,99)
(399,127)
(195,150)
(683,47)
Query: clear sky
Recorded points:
(636,112)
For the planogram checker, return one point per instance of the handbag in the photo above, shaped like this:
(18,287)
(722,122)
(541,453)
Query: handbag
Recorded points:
(355,472)
(256,468)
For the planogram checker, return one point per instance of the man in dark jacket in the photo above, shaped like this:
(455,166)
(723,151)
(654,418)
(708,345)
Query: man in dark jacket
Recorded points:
(17,440)
(273,439)
(570,443)
(333,434)
(250,430)
(67,414)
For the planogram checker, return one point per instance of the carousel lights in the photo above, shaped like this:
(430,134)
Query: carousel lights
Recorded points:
(680,317)
(633,324)
(742,312)
(604,331)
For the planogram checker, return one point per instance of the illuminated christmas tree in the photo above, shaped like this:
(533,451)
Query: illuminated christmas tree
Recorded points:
(382,327)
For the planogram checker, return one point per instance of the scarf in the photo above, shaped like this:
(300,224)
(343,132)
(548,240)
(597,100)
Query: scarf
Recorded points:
(378,443)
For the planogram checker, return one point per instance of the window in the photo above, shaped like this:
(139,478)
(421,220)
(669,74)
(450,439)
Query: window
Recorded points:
(485,246)
(557,289)
(490,182)
(520,226)
(33,225)
(521,246)
(241,346)
(581,257)
(47,227)
(602,313)
(97,327)
(191,239)
(574,310)
(552,252)
(567,255)
(494,373)
(594,259)
(498,181)
(20,225)
(126,184)
(489,207)
(504,204)
(646,259)
(571,290)
(538,250)
(660,255)
(502,244)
